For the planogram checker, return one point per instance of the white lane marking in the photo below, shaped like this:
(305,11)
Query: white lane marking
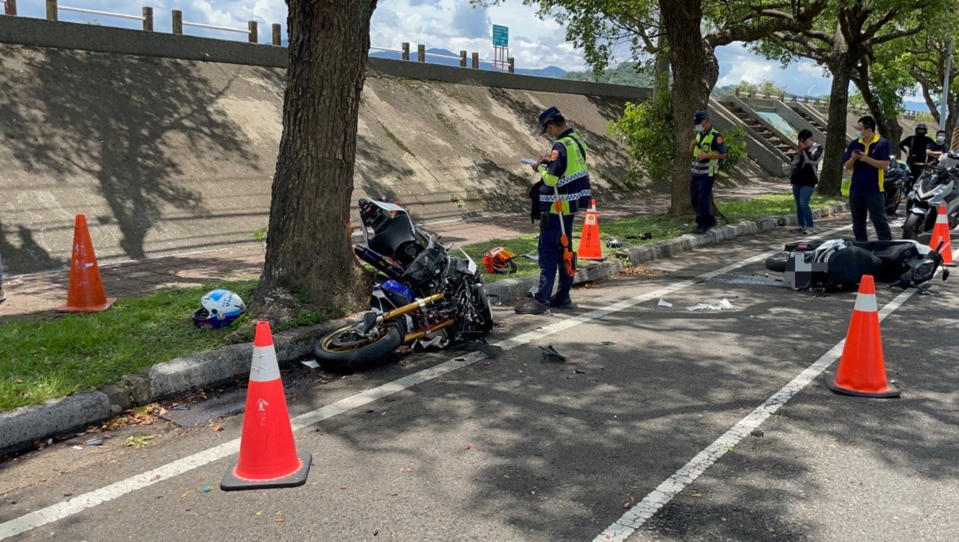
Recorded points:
(636,516)
(56,512)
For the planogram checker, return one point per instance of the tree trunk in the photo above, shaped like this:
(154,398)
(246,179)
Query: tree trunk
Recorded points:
(308,241)
(661,66)
(682,20)
(831,178)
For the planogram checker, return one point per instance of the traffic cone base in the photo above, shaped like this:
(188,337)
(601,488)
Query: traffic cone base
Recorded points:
(268,456)
(862,370)
(589,245)
(89,308)
(941,235)
(85,291)
(890,391)
(232,481)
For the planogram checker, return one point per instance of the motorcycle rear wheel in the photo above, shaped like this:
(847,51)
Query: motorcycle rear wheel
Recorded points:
(777,262)
(344,350)
(912,227)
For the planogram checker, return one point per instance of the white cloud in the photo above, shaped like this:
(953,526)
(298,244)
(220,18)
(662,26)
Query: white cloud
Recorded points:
(749,70)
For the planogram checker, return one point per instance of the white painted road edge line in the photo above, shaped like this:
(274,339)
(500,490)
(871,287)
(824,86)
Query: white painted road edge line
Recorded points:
(75,505)
(635,517)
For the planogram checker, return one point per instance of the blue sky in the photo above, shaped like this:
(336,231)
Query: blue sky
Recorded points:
(448,24)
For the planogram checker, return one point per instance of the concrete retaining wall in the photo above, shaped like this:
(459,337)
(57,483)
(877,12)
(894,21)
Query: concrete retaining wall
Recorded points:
(168,143)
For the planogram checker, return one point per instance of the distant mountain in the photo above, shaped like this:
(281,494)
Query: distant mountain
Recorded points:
(626,73)
(449,58)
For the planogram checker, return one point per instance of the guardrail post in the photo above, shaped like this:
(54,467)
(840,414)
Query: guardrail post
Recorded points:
(10,7)
(512,64)
(421,53)
(254,35)
(276,35)
(51,10)
(475,61)
(178,22)
(406,51)
(462,59)
(148,18)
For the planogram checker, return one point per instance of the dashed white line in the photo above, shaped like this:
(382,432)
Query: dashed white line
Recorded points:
(65,509)
(635,517)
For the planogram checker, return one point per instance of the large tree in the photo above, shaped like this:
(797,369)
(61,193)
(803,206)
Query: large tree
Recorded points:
(308,241)
(844,42)
(923,56)
(687,33)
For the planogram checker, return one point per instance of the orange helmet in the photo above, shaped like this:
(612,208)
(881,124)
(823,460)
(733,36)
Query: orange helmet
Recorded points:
(499,260)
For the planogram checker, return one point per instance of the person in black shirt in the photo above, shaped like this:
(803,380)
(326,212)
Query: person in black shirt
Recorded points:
(805,174)
(916,145)
(935,149)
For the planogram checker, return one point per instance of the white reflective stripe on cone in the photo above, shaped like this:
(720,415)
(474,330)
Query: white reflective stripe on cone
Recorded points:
(941,219)
(265,367)
(866,303)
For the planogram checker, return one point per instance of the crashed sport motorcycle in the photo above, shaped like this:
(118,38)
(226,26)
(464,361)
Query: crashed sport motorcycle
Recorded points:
(424,297)
(937,185)
(839,264)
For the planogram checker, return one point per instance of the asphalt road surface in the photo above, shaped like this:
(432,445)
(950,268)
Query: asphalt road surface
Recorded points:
(663,424)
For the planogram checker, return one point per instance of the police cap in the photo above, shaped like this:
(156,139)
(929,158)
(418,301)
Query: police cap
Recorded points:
(551,114)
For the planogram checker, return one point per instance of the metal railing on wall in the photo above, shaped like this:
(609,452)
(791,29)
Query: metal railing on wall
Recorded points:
(53,9)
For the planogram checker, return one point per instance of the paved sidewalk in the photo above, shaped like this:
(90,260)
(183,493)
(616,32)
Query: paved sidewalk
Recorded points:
(35,294)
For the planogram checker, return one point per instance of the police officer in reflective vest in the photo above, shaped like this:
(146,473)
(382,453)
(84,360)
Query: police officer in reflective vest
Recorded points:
(707,149)
(564,179)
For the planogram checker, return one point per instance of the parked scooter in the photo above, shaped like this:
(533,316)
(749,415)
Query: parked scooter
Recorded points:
(937,185)
(894,185)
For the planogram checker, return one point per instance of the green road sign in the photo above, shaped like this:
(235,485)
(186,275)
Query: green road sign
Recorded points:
(500,36)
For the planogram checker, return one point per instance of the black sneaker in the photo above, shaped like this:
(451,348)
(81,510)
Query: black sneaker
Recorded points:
(531,306)
(699,231)
(560,304)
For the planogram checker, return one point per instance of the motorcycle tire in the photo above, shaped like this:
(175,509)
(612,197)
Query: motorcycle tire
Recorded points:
(912,227)
(358,356)
(777,262)
(485,310)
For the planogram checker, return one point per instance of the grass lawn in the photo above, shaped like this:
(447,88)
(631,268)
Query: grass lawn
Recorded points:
(53,357)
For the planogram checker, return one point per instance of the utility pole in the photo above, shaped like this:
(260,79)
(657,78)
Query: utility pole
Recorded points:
(943,102)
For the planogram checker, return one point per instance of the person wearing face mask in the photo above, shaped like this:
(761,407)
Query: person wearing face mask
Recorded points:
(707,149)
(867,157)
(805,174)
(936,149)
(916,145)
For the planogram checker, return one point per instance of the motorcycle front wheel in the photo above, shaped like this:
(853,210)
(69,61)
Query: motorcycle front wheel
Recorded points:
(912,227)
(346,350)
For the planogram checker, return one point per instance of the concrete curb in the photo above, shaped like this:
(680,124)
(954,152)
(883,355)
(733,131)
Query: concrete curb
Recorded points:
(21,427)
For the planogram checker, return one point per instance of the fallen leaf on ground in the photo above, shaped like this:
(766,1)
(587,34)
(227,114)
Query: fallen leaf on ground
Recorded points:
(217,427)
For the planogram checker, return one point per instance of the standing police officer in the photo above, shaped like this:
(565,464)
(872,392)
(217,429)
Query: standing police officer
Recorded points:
(707,149)
(565,179)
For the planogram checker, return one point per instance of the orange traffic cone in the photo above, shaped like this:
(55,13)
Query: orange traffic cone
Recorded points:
(268,456)
(940,234)
(85,292)
(589,247)
(861,369)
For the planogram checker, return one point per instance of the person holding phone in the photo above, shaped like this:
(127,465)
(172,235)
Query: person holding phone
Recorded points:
(868,157)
